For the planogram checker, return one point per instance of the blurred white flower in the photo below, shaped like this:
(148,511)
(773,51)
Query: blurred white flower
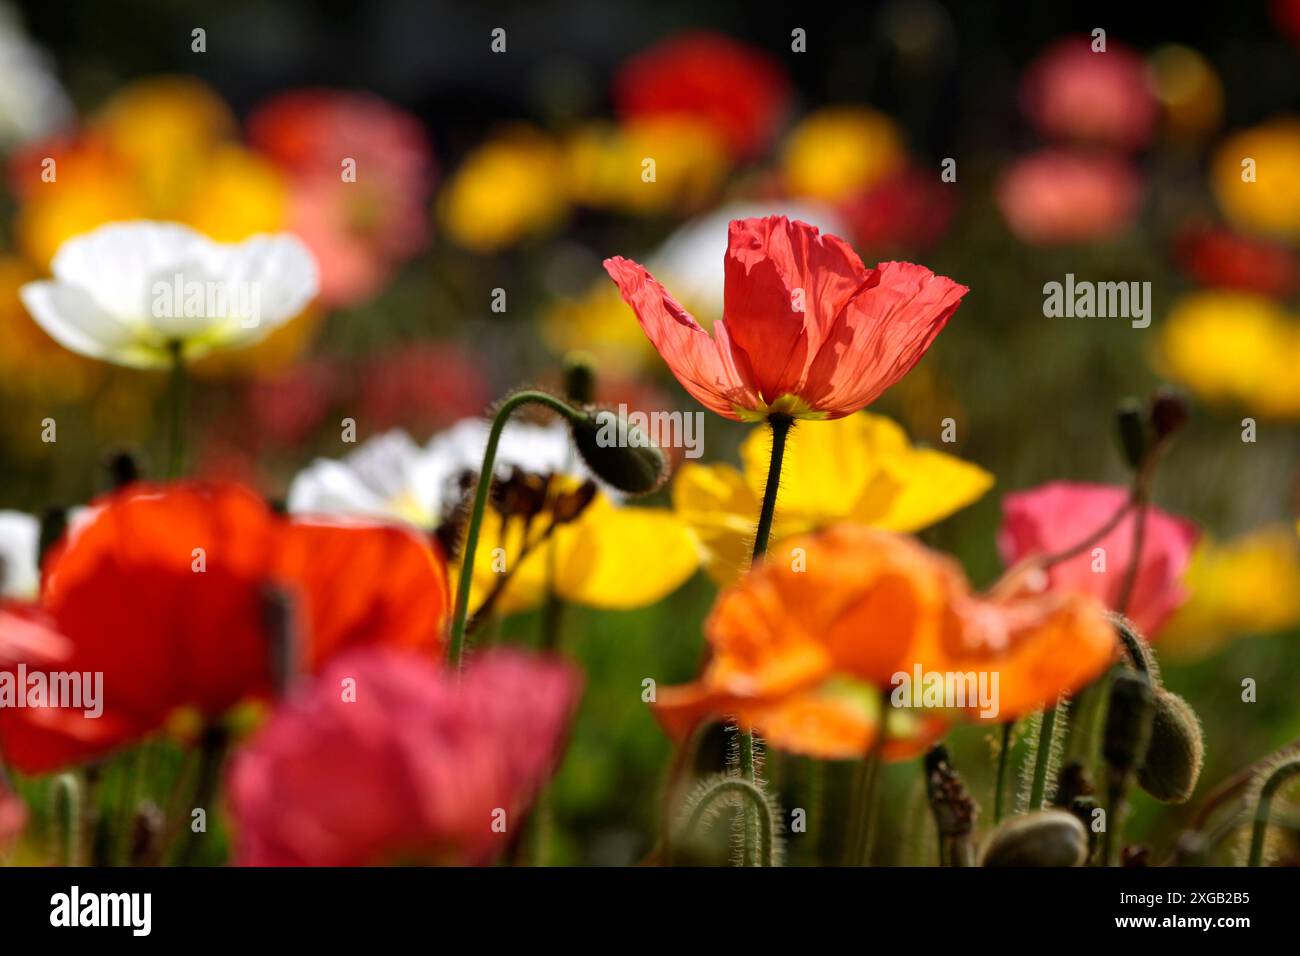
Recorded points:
(391,477)
(139,293)
(32,102)
(20,537)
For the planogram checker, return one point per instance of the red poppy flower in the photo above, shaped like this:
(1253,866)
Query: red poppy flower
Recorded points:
(808,330)
(1222,258)
(1058,515)
(738,92)
(164,591)
(418,765)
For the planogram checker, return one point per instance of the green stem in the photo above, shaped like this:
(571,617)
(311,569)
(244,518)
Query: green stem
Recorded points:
(178,395)
(456,645)
(755,803)
(780,425)
(1042,758)
(1003,761)
(1280,775)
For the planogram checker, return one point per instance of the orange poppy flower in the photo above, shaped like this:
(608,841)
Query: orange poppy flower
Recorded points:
(163,591)
(811,649)
(808,330)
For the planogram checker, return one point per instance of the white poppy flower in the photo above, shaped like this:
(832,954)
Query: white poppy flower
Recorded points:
(20,538)
(137,293)
(391,477)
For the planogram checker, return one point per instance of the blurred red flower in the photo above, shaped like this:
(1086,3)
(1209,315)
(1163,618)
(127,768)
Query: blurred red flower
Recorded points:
(13,815)
(164,589)
(360,229)
(1061,196)
(1058,515)
(417,764)
(1286,14)
(907,210)
(808,330)
(1105,98)
(739,92)
(421,386)
(1225,259)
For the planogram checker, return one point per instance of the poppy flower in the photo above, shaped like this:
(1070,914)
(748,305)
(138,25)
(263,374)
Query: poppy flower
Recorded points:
(360,230)
(737,91)
(163,590)
(1225,259)
(1266,202)
(1058,515)
(861,468)
(13,816)
(1071,92)
(33,103)
(105,301)
(808,330)
(20,536)
(415,765)
(805,651)
(602,554)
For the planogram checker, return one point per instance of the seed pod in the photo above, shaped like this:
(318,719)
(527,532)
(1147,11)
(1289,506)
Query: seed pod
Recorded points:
(1040,838)
(619,453)
(1132,432)
(1173,759)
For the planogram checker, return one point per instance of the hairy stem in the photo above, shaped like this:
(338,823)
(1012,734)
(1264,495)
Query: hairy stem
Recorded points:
(1280,775)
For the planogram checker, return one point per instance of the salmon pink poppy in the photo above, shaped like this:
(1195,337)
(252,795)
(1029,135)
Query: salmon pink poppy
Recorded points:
(163,589)
(419,765)
(1056,516)
(807,331)
(807,652)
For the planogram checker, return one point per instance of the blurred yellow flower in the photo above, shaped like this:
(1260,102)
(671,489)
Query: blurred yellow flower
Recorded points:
(611,557)
(1268,198)
(161,148)
(1189,91)
(596,322)
(860,468)
(841,150)
(506,189)
(1234,347)
(645,166)
(1245,586)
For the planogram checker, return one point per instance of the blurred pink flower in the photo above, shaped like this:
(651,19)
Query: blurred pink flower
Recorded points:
(1074,94)
(415,768)
(739,92)
(359,231)
(285,408)
(1061,196)
(1059,515)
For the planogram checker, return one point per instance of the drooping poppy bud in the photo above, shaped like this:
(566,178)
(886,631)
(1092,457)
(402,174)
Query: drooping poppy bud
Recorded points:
(619,452)
(1173,758)
(1169,412)
(1128,721)
(1133,437)
(1040,838)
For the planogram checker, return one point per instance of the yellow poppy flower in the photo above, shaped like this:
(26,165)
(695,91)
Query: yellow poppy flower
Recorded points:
(1264,194)
(1247,585)
(1234,347)
(861,468)
(841,150)
(505,190)
(611,557)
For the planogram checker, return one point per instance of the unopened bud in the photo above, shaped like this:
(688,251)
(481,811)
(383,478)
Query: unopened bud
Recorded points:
(1169,412)
(1133,439)
(580,378)
(619,453)
(1040,838)
(1174,754)
(1128,721)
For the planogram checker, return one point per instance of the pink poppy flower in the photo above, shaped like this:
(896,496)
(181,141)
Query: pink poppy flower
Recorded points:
(1103,98)
(1059,196)
(13,816)
(1057,516)
(387,758)
(358,229)
(808,330)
